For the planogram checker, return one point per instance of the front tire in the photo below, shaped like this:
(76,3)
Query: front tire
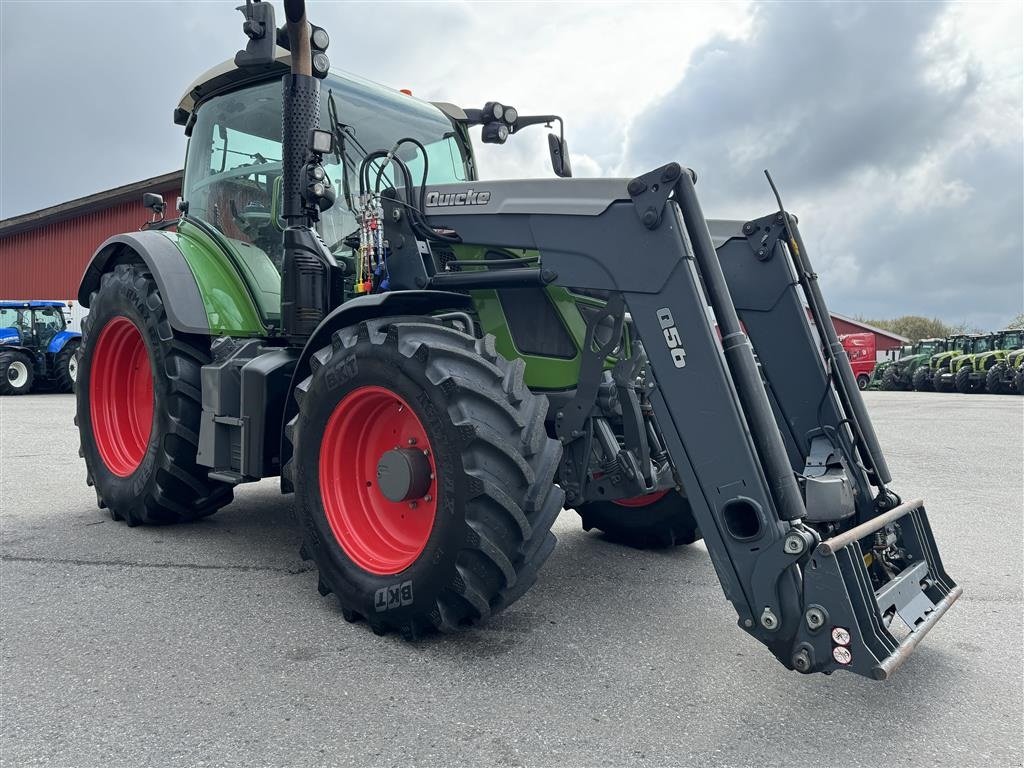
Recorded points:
(16,373)
(66,365)
(1018,379)
(963,380)
(892,381)
(862,381)
(423,476)
(139,406)
(657,520)
(994,379)
(922,379)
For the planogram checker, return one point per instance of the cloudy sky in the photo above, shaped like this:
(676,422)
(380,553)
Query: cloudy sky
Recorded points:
(894,129)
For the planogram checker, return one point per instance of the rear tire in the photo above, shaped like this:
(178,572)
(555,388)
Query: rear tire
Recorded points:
(16,373)
(922,379)
(66,371)
(963,381)
(139,406)
(664,521)
(994,379)
(487,479)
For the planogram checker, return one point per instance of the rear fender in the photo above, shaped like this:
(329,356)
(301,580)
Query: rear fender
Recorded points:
(201,289)
(352,312)
(178,288)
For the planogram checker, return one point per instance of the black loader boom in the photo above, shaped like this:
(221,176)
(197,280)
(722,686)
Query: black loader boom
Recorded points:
(778,457)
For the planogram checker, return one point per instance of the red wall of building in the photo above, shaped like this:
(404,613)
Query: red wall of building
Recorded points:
(881,342)
(48,262)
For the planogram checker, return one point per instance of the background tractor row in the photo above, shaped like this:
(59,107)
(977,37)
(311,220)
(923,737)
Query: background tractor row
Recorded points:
(984,363)
(899,374)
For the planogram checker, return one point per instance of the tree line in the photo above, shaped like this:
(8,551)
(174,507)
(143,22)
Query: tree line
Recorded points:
(915,327)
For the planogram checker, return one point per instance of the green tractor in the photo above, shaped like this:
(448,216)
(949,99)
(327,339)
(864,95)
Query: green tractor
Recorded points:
(878,374)
(435,364)
(958,375)
(925,376)
(1002,364)
(1015,361)
(899,375)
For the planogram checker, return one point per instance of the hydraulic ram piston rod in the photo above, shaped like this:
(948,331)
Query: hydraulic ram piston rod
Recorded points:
(740,359)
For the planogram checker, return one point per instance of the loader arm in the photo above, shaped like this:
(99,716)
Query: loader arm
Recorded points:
(779,462)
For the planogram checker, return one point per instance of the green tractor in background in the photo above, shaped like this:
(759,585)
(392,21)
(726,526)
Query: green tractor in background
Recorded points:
(1002,364)
(899,376)
(924,376)
(958,376)
(878,374)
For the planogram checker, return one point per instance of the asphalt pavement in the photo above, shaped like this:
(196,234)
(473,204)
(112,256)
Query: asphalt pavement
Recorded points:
(208,644)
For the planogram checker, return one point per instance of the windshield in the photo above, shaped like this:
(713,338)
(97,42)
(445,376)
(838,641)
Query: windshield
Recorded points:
(233,168)
(47,323)
(982,345)
(929,347)
(1011,341)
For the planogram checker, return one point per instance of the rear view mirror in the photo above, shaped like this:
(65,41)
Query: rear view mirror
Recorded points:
(559,150)
(154,202)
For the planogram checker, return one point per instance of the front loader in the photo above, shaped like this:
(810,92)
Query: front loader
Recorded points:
(444,362)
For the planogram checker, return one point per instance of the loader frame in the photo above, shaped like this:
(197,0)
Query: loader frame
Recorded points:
(747,443)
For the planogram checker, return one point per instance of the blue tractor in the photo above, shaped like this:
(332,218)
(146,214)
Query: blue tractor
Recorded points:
(36,348)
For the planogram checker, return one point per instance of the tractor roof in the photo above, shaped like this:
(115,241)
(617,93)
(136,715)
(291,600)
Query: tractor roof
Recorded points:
(30,304)
(228,76)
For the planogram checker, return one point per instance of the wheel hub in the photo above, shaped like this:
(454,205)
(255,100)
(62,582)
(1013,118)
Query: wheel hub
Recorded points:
(403,474)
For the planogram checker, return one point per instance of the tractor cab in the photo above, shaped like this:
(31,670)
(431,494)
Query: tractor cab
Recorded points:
(232,195)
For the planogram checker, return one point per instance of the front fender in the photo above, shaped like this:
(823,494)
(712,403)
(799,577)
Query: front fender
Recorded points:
(352,312)
(58,342)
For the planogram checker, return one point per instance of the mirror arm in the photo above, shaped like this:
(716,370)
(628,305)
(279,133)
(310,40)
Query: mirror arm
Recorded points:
(528,120)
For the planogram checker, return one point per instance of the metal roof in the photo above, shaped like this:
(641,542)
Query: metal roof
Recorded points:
(31,304)
(83,205)
(871,328)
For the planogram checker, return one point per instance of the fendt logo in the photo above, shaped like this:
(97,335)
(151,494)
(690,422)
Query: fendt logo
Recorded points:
(469,197)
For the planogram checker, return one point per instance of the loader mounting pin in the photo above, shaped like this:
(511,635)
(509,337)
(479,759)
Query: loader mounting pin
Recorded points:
(794,544)
(815,618)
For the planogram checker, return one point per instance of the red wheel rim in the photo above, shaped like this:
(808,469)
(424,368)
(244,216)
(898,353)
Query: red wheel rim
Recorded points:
(642,501)
(381,536)
(121,396)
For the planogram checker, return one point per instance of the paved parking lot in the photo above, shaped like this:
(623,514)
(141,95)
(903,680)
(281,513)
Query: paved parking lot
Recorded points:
(208,644)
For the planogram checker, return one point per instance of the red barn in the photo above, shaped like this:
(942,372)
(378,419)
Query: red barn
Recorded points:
(43,254)
(886,342)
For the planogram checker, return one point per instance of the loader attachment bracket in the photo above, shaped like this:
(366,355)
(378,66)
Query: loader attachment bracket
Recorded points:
(651,191)
(861,630)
